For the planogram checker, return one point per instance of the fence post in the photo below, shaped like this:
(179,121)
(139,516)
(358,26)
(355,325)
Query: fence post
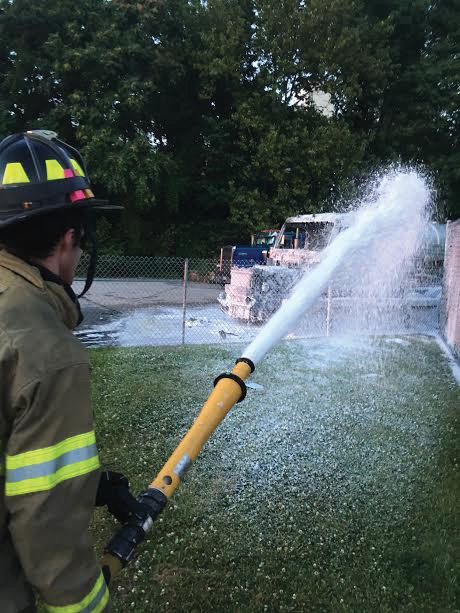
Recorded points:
(328,312)
(184,299)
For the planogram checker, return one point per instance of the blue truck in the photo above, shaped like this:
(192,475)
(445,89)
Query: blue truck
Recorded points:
(246,256)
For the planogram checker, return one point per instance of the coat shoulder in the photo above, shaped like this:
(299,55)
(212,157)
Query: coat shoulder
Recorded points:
(32,330)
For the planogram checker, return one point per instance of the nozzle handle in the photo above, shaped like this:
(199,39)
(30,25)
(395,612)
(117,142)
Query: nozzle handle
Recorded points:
(122,545)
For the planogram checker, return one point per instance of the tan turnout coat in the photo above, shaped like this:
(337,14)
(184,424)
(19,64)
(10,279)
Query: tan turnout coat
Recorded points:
(49,466)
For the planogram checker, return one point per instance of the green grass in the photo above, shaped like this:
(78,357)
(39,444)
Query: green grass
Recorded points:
(335,488)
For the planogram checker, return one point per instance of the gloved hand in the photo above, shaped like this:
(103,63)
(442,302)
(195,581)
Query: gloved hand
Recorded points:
(113,492)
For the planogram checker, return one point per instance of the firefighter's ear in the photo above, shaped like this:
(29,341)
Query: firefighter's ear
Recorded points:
(65,244)
(67,240)
(68,254)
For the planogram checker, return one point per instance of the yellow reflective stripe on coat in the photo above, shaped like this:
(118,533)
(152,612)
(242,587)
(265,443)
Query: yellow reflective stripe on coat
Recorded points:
(43,469)
(94,602)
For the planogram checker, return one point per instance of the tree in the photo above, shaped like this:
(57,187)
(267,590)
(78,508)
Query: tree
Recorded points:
(85,71)
(199,118)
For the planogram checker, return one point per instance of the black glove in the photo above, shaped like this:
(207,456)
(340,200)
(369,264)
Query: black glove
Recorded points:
(107,575)
(113,492)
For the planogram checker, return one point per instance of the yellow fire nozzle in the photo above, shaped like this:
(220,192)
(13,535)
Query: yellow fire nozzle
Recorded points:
(226,393)
(228,390)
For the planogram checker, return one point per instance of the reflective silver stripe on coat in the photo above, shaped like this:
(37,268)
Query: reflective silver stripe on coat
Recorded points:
(97,599)
(2,458)
(94,602)
(45,469)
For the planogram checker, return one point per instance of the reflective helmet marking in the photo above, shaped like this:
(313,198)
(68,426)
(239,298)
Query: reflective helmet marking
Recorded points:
(54,170)
(77,195)
(77,168)
(39,174)
(14,173)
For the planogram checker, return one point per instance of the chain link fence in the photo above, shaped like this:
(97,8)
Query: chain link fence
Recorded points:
(169,301)
(155,301)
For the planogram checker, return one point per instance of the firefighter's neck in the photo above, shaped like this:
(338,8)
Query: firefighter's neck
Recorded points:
(50,263)
(64,259)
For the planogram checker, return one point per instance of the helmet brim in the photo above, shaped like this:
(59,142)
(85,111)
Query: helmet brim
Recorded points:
(94,204)
(100,205)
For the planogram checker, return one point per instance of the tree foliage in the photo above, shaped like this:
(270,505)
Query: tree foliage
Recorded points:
(198,116)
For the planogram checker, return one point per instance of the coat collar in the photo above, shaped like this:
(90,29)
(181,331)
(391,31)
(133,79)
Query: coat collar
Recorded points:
(57,293)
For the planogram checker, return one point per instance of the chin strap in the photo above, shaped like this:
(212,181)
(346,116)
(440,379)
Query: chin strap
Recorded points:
(90,233)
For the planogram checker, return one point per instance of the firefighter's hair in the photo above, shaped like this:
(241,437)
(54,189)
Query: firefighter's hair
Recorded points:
(38,237)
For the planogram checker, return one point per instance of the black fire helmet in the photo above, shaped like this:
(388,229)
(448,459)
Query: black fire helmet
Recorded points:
(40,174)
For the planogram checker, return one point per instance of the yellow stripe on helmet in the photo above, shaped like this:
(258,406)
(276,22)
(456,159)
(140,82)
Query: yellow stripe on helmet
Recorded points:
(54,170)
(77,168)
(14,173)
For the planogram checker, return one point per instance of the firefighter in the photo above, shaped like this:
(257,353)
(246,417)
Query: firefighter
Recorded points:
(50,477)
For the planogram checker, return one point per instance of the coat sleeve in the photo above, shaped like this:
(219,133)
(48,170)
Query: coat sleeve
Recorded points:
(51,477)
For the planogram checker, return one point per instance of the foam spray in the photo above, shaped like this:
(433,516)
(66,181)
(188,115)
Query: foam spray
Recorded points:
(390,219)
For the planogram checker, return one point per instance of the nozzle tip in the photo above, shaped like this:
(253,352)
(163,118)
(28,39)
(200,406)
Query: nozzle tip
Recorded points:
(247,361)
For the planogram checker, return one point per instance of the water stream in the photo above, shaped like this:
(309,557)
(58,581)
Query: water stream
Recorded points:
(371,257)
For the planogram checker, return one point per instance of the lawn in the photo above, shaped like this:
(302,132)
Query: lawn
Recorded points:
(333,488)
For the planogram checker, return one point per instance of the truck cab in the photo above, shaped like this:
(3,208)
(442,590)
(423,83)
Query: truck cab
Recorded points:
(246,256)
(302,238)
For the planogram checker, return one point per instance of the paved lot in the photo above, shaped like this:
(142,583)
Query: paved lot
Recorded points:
(109,298)
(121,294)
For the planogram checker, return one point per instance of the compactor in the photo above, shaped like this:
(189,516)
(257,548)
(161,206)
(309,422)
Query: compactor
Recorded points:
(254,293)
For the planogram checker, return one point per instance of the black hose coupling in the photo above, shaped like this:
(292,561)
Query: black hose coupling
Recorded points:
(123,543)
(247,361)
(235,378)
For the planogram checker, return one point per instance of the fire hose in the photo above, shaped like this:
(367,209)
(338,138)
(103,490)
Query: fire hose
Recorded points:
(231,388)
(228,390)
